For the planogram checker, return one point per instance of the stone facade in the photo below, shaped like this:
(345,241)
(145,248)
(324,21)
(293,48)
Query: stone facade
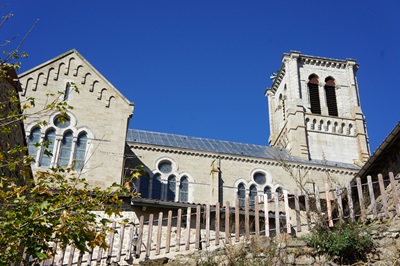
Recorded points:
(315,110)
(100,114)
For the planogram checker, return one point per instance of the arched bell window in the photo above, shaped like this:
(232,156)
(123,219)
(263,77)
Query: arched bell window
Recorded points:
(313,85)
(330,93)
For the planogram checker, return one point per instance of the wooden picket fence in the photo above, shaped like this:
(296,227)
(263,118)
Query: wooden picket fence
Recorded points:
(210,226)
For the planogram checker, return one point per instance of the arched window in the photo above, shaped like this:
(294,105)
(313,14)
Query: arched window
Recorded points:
(171,189)
(47,152)
(267,190)
(313,85)
(144,186)
(80,151)
(156,187)
(34,138)
(253,195)
(241,194)
(184,189)
(66,148)
(331,96)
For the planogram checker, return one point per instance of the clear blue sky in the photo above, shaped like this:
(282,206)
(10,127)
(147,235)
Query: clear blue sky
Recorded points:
(200,68)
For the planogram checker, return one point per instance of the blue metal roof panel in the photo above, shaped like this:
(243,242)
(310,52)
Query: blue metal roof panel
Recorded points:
(220,146)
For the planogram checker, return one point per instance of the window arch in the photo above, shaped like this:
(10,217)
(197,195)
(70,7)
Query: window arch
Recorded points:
(313,89)
(34,138)
(330,94)
(171,188)
(184,189)
(241,193)
(66,148)
(80,151)
(268,191)
(46,158)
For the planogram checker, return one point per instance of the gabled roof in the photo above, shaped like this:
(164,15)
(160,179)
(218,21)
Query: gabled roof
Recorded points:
(222,147)
(75,52)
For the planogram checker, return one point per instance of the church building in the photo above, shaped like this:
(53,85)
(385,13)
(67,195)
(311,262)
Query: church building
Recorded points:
(317,130)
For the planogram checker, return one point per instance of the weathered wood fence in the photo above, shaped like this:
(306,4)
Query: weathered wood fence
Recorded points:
(209,226)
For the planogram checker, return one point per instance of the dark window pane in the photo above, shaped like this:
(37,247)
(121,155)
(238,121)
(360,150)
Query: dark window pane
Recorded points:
(50,137)
(184,189)
(171,190)
(156,187)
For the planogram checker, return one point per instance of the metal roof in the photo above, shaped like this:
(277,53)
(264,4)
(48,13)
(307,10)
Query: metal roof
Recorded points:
(220,146)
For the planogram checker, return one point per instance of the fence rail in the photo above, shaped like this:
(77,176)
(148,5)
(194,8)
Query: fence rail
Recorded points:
(210,226)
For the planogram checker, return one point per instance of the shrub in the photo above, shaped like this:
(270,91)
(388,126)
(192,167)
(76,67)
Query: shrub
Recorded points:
(348,242)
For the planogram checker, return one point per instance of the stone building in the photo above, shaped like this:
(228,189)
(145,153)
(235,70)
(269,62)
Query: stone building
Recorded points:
(317,133)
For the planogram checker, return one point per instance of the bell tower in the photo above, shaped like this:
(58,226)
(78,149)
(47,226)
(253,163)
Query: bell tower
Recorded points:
(314,110)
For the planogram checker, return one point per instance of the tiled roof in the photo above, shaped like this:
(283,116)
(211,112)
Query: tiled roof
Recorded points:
(220,146)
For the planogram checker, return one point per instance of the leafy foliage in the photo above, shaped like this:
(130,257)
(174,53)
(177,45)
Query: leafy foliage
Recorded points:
(57,205)
(347,241)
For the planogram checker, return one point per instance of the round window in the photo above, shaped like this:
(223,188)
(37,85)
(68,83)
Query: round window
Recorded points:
(62,121)
(260,178)
(165,167)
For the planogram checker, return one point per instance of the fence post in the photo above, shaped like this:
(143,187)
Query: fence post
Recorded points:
(317,199)
(159,232)
(178,230)
(121,242)
(350,200)
(111,243)
(395,193)
(257,216)
(372,197)
(169,225)
(217,219)
(227,229)
(140,236)
(266,215)
(208,225)
(287,211)
(297,208)
(237,220)
(339,201)
(149,235)
(277,222)
(328,203)
(307,203)
(188,219)
(383,193)
(360,198)
(247,217)
(198,214)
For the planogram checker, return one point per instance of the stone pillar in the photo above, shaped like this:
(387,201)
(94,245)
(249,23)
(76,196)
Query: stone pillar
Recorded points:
(214,181)
(297,133)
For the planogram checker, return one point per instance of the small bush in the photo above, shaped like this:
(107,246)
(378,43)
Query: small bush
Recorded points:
(349,242)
